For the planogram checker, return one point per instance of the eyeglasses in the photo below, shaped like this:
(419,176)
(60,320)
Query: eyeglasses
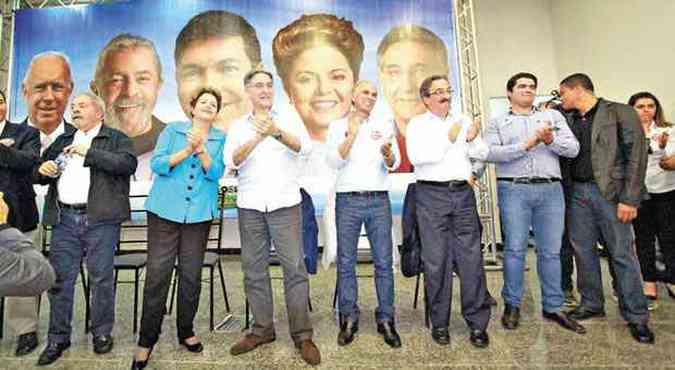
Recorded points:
(439,92)
(555,94)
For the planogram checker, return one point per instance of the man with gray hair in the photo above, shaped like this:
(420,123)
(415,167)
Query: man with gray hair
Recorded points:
(88,175)
(128,78)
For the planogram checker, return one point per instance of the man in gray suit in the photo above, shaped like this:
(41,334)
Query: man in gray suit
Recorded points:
(23,270)
(607,181)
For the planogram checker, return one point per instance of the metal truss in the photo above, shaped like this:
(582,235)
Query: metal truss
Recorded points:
(471,102)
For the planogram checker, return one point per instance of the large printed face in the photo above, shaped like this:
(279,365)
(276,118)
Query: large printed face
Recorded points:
(46,90)
(3,108)
(129,85)
(221,63)
(320,85)
(402,69)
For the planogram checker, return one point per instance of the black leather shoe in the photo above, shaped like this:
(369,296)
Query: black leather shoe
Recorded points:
(138,365)
(511,317)
(581,313)
(348,328)
(479,338)
(26,343)
(641,333)
(440,336)
(564,321)
(103,344)
(388,331)
(52,353)
(194,348)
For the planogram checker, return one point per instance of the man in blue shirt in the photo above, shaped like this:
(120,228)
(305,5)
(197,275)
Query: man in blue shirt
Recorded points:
(525,144)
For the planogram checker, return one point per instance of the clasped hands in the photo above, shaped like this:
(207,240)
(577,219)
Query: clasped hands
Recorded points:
(51,168)
(471,133)
(541,135)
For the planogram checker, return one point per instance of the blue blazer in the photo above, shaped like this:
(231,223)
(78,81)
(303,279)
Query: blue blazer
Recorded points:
(185,193)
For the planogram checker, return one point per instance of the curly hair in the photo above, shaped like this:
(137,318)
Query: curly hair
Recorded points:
(315,30)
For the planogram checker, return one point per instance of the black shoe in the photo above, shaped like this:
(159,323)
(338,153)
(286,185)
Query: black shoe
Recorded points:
(194,348)
(52,352)
(103,344)
(26,343)
(479,338)
(490,301)
(348,327)
(440,336)
(581,313)
(389,333)
(138,365)
(641,333)
(564,321)
(511,317)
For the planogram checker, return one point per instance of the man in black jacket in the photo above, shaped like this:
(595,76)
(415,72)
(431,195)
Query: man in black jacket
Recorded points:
(88,174)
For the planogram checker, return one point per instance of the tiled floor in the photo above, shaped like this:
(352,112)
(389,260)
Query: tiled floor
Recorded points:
(535,345)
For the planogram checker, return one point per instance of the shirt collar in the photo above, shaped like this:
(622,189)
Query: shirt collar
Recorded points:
(93,132)
(3,123)
(532,111)
(60,129)
(591,112)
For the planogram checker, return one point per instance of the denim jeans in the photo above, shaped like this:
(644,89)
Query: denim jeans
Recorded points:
(72,239)
(591,216)
(374,211)
(541,206)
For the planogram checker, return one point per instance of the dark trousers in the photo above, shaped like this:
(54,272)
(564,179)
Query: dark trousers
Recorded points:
(450,234)
(566,249)
(72,239)
(656,219)
(166,241)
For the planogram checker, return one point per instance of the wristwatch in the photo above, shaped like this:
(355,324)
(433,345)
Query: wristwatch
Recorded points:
(277,135)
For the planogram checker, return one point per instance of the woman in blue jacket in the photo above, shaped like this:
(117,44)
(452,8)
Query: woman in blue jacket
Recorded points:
(183,201)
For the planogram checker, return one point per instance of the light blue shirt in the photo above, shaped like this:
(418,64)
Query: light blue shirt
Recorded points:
(185,193)
(506,136)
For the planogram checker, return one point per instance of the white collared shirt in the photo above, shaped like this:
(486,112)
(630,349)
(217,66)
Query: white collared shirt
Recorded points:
(657,179)
(47,139)
(434,156)
(2,126)
(73,184)
(364,169)
(269,176)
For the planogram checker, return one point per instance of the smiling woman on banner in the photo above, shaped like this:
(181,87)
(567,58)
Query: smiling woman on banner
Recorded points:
(187,163)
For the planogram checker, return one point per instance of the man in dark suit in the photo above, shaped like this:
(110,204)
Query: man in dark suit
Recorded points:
(607,186)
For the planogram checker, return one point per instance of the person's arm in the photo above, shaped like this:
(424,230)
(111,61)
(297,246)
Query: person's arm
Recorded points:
(216,165)
(337,135)
(163,160)
(499,151)
(23,154)
(632,144)
(119,161)
(564,142)
(392,164)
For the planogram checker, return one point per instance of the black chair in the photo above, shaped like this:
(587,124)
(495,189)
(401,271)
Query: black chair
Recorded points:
(83,278)
(132,260)
(212,260)
(2,316)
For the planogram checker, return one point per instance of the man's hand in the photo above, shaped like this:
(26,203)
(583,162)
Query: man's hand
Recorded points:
(4,209)
(387,153)
(626,213)
(532,142)
(545,134)
(354,122)
(667,162)
(473,131)
(454,131)
(49,169)
(663,140)
(78,149)
(7,142)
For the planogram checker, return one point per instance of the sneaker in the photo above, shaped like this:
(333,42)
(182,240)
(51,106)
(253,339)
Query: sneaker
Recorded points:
(570,299)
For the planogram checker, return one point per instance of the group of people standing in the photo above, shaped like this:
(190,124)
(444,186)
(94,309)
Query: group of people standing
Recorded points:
(584,175)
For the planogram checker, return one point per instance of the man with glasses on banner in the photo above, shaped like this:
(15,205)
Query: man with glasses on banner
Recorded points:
(442,146)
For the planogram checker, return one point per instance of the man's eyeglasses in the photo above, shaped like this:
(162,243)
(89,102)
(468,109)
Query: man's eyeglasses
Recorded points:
(555,94)
(439,92)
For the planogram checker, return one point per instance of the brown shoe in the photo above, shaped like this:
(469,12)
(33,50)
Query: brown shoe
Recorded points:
(309,352)
(249,343)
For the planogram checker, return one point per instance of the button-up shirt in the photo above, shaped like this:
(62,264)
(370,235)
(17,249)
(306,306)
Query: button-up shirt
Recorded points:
(73,185)
(269,176)
(657,179)
(582,127)
(47,139)
(364,169)
(506,136)
(434,156)
(2,125)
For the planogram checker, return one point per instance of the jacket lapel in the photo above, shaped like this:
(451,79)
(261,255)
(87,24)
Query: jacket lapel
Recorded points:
(601,117)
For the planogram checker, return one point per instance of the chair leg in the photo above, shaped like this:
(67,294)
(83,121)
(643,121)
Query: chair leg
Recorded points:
(115,289)
(2,316)
(222,284)
(427,306)
(173,289)
(211,324)
(335,294)
(417,291)
(309,303)
(85,288)
(135,300)
(247,323)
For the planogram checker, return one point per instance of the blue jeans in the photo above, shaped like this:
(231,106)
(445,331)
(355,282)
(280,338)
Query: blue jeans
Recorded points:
(72,238)
(592,216)
(541,206)
(352,211)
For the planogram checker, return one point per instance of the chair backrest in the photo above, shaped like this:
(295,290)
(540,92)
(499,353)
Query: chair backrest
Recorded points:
(137,227)
(218,223)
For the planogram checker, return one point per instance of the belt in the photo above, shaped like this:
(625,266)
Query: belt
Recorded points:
(79,207)
(452,184)
(364,193)
(529,180)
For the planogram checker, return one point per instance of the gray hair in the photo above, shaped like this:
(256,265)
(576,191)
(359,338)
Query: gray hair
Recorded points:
(125,41)
(50,53)
(95,99)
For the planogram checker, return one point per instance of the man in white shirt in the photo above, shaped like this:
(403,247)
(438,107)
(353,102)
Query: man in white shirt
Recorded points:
(364,151)
(266,152)
(88,173)
(441,147)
